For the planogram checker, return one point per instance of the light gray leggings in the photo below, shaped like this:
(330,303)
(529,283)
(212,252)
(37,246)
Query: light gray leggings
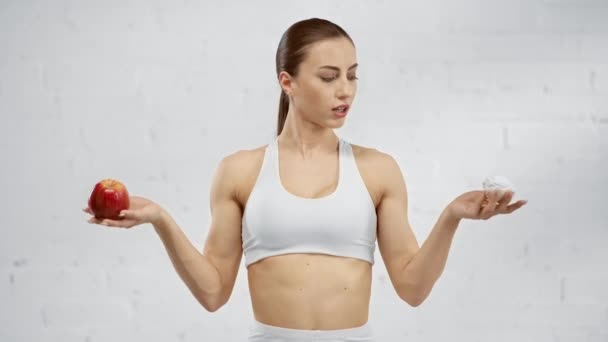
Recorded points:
(259,332)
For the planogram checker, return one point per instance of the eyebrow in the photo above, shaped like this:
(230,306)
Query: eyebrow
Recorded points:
(336,68)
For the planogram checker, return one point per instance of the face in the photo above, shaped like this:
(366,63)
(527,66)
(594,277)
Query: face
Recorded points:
(327,78)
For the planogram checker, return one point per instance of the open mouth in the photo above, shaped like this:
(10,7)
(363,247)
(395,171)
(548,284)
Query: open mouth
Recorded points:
(341,110)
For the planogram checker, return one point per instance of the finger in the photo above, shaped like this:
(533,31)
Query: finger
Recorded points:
(516,206)
(488,194)
(87,210)
(130,215)
(114,223)
(127,214)
(107,222)
(499,196)
(504,201)
(482,200)
(489,208)
(488,198)
(94,220)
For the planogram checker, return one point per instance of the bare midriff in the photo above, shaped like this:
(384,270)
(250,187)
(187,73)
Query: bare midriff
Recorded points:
(310,291)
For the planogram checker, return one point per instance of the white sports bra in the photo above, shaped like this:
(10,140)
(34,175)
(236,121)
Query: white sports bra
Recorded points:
(276,222)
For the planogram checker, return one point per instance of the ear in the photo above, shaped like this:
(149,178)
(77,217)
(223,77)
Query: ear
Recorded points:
(286,82)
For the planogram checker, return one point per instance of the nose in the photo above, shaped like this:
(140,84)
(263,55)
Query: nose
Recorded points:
(345,89)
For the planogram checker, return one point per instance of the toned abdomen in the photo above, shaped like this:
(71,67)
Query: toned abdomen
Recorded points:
(310,291)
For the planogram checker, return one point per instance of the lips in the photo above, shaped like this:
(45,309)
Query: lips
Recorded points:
(343,107)
(341,110)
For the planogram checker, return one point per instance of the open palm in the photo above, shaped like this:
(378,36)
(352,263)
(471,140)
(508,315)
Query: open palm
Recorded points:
(481,205)
(141,210)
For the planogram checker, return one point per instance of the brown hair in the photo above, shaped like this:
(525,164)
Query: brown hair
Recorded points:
(292,50)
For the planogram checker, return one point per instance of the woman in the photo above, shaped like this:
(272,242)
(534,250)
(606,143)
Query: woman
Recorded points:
(307,209)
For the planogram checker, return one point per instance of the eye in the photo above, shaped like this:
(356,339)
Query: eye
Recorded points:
(329,79)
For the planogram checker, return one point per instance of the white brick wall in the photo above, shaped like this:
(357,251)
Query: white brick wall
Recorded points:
(155,93)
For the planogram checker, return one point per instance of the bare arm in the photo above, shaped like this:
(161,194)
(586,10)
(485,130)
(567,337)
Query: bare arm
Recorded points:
(413,270)
(210,275)
(428,263)
(194,268)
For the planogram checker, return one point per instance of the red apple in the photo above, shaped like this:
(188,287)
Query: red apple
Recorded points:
(108,198)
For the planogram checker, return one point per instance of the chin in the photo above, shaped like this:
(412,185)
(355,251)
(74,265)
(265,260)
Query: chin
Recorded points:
(336,123)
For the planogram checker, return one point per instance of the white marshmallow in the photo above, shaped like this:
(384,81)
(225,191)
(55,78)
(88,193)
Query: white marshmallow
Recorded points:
(500,183)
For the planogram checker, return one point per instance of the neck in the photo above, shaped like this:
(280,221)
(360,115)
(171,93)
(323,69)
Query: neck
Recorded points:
(307,138)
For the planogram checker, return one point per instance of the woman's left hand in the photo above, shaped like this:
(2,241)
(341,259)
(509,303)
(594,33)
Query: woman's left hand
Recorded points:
(483,204)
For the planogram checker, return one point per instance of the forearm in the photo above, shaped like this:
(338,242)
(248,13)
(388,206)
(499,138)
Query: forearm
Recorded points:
(193,267)
(421,273)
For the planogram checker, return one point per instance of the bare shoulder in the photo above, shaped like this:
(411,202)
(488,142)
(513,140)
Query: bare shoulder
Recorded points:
(244,166)
(244,157)
(370,155)
(377,168)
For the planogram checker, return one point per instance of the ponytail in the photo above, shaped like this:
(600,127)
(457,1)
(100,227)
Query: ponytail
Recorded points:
(283,109)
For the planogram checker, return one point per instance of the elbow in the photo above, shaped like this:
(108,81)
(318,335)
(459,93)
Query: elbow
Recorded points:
(206,305)
(413,301)
(211,307)
(413,297)
(210,303)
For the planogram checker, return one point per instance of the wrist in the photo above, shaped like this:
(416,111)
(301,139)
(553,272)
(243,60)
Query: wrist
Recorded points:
(451,220)
(160,219)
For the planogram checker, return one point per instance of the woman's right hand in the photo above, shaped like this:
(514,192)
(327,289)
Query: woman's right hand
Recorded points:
(141,211)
